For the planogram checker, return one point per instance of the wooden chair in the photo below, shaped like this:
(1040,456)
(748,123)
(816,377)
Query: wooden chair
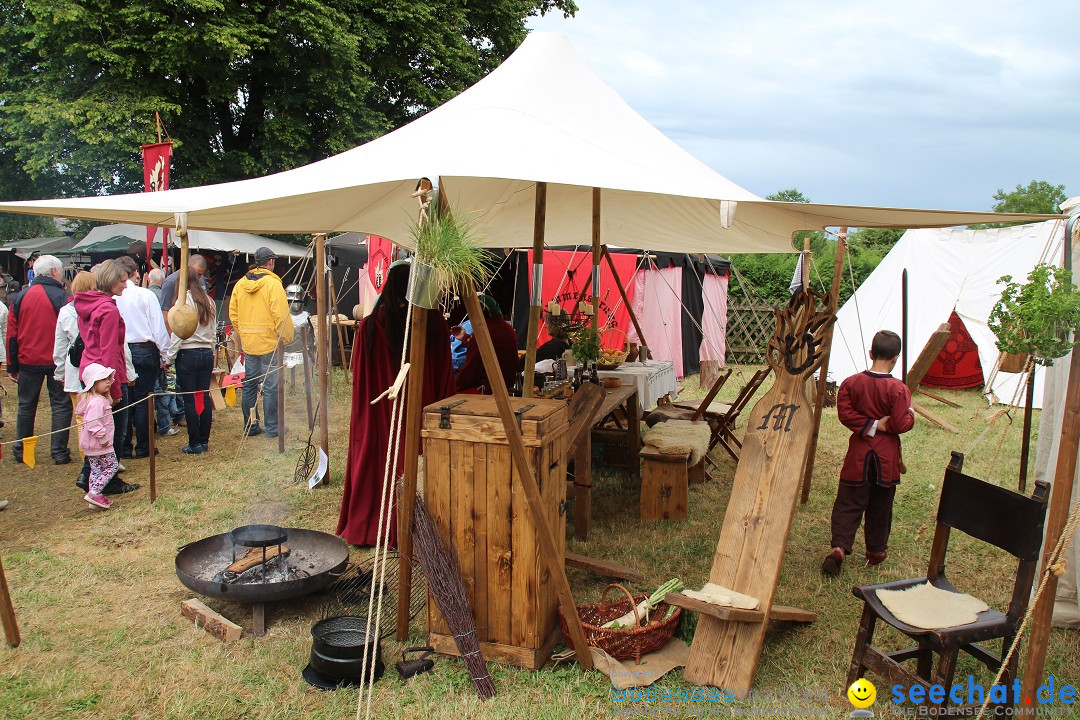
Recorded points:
(999,517)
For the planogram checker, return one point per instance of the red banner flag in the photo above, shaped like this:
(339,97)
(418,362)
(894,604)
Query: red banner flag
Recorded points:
(157,163)
(565,273)
(380,253)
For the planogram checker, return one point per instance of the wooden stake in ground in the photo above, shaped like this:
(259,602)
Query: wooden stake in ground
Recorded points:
(281,393)
(7,612)
(539,221)
(547,550)
(1060,499)
(304,339)
(725,653)
(826,351)
(151,420)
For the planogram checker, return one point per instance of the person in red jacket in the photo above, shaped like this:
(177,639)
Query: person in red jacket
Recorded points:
(104,336)
(472,375)
(876,407)
(31,331)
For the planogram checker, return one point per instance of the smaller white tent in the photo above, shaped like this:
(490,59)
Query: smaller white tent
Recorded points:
(198,240)
(948,268)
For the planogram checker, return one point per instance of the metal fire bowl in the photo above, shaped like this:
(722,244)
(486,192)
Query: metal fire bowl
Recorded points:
(201,560)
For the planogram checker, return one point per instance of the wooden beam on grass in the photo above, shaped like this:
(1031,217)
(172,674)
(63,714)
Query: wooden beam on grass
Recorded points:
(927,356)
(536,302)
(214,623)
(823,374)
(935,396)
(940,422)
(1060,499)
(548,549)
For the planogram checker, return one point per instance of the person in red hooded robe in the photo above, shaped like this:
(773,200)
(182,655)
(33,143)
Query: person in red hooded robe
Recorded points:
(376,360)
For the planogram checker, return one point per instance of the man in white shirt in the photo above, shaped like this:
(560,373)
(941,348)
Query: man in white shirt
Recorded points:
(149,343)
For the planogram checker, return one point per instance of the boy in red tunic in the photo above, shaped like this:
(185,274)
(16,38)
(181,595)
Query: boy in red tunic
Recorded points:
(876,407)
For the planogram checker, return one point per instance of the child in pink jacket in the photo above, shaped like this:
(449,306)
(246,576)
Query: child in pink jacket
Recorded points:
(96,433)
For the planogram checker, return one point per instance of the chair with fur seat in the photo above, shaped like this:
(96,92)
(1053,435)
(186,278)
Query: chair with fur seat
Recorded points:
(994,515)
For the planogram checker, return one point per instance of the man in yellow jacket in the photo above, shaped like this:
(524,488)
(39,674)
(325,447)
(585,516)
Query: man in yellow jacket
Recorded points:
(259,312)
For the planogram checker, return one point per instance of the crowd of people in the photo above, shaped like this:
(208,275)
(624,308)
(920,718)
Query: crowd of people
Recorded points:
(102,345)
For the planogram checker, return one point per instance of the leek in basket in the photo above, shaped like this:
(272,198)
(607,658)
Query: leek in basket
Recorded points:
(646,606)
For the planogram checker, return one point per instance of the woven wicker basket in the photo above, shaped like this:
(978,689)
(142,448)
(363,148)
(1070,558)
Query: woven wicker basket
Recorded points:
(614,361)
(627,643)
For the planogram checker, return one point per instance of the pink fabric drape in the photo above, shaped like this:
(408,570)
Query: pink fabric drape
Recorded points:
(714,318)
(657,302)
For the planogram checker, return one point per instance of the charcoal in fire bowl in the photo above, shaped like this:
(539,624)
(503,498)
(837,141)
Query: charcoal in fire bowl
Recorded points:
(317,558)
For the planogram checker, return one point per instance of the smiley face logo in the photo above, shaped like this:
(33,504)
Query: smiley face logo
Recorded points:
(862,693)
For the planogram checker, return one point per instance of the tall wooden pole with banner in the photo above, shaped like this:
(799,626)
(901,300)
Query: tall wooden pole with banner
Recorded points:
(157,164)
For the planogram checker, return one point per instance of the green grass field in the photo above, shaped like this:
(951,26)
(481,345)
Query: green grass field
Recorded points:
(98,600)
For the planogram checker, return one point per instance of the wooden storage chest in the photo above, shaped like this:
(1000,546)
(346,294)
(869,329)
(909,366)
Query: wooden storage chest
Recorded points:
(475,496)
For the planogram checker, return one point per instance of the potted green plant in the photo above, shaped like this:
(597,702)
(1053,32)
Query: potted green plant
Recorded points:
(585,345)
(1039,318)
(447,254)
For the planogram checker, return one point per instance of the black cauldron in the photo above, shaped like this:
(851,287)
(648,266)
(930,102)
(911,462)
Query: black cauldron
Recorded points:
(338,647)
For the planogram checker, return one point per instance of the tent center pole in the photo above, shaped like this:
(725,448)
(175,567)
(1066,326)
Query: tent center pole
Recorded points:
(535,302)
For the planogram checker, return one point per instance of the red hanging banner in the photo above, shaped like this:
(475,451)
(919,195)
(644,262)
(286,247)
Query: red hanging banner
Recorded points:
(157,164)
(565,273)
(380,255)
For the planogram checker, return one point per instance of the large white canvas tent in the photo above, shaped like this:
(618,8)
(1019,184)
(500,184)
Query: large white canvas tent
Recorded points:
(199,240)
(540,116)
(947,269)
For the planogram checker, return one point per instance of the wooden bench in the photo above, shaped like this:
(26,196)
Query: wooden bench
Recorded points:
(664,483)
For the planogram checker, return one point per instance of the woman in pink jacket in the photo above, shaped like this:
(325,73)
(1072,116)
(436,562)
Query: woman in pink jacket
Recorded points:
(102,331)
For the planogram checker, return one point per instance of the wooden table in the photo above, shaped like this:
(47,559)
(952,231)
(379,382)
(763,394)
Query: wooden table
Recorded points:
(611,424)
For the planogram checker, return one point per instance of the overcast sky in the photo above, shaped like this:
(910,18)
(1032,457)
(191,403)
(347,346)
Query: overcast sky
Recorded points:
(933,104)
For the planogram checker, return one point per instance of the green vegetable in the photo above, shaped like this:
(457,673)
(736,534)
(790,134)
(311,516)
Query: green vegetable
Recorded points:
(647,605)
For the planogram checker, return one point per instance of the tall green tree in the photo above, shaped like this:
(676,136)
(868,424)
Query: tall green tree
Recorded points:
(244,89)
(1038,197)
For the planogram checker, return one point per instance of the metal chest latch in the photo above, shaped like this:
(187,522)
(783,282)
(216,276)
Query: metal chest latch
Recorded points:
(444,414)
(521,411)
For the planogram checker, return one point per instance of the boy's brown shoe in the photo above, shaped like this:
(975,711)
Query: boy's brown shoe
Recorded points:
(833,561)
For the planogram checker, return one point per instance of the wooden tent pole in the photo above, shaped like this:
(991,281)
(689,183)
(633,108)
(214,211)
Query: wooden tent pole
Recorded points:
(307,376)
(548,548)
(535,304)
(626,300)
(280,393)
(320,360)
(596,257)
(7,612)
(1025,448)
(1060,500)
(806,262)
(823,375)
(414,407)
(903,325)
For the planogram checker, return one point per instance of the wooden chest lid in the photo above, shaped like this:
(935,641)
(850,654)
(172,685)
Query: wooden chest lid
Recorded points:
(540,418)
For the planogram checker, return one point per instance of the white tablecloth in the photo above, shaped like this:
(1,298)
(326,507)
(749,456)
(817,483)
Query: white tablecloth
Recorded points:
(654,379)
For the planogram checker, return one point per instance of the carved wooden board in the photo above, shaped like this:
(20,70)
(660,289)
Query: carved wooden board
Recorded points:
(725,653)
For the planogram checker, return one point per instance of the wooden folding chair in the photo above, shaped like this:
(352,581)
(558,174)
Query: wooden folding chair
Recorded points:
(667,410)
(999,517)
(723,416)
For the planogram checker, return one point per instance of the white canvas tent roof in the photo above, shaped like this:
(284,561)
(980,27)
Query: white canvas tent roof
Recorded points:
(197,240)
(947,269)
(542,115)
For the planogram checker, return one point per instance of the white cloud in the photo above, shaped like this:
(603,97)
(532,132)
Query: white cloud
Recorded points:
(914,103)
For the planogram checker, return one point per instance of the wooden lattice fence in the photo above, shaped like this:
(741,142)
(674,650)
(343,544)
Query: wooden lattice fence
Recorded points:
(749,327)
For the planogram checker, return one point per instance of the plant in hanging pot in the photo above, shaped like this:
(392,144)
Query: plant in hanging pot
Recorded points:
(1040,317)
(448,254)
